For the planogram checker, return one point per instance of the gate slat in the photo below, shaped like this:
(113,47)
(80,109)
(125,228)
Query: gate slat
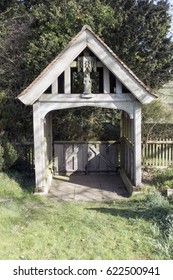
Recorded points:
(82,156)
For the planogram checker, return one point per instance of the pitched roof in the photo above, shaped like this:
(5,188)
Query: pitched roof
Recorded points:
(86,38)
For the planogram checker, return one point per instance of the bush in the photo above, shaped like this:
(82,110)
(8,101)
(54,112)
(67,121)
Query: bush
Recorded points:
(162,215)
(1,157)
(169,226)
(156,200)
(164,179)
(165,244)
(8,154)
(158,207)
(161,178)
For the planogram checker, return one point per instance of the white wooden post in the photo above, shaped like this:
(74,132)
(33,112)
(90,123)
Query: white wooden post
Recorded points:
(55,87)
(132,151)
(39,148)
(118,86)
(49,137)
(137,144)
(122,147)
(106,82)
(67,80)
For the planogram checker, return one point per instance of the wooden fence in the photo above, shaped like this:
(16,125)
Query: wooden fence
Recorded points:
(157,152)
(154,153)
(25,153)
(92,156)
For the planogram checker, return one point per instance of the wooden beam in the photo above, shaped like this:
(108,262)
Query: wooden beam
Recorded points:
(100,97)
(118,86)
(74,64)
(137,144)
(46,78)
(55,87)
(67,103)
(121,72)
(39,148)
(106,82)
(49,137)
(67,81)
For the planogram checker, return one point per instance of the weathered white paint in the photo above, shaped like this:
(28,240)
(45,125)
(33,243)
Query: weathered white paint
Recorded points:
(127,147)
(49,139)
(106,82)
(42,149)
(43,104)
(62,98)
(109,60)
(39,148)
(84,39)
(92,156)
(128,106)
(62,101)
(67,81)
(55,87)
(137,144)
(118,87)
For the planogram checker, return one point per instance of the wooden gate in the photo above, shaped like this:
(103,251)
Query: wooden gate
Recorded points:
(92,156)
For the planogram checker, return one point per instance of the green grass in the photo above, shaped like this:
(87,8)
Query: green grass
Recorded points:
(161,178)
(34,227)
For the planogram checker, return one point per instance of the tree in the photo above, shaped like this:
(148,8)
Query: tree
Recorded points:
(141,40)
(34,32)
(157,121)
(86,124)
(14,33)
(137,31)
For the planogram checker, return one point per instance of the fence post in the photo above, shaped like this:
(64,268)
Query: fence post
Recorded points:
(158,152)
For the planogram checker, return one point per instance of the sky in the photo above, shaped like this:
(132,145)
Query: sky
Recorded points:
(171,2)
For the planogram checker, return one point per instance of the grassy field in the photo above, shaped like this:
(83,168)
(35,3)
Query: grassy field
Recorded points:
(33,227)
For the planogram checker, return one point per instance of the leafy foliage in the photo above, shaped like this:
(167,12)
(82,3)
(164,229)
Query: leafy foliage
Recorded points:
(155,200)
(162,216)
(89,124)
(156,119)
(138,28)
(15,119)
(143,34)
(33,32)
(164,179)
(8,154)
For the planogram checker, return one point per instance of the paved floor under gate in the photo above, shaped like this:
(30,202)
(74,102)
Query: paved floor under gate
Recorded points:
(90,187)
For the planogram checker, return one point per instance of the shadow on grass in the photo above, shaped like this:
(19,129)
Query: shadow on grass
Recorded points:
(24,179)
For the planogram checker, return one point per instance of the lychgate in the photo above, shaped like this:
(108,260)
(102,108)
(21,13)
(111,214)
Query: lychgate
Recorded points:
(57,88)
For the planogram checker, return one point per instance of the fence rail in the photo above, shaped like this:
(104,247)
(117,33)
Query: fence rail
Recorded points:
(158,152)
(91,156)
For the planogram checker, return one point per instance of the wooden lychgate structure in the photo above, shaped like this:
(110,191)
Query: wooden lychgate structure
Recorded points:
(87,73)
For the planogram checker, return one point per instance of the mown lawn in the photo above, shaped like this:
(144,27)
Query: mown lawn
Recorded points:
(34,227)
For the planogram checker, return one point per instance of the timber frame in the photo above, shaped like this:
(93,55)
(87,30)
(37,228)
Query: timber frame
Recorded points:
(129,102)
